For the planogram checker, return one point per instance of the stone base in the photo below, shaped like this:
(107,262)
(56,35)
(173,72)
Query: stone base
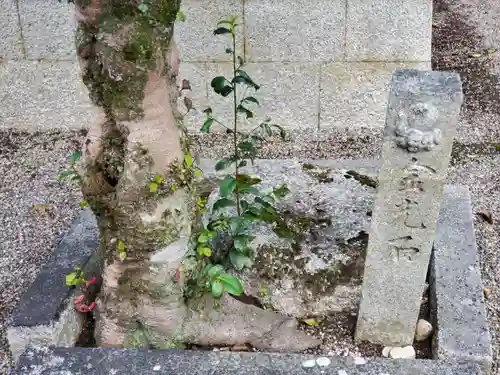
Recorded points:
(100,361)
(45,318)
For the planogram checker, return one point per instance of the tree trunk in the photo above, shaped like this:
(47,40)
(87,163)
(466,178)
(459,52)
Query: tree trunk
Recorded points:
(129,64)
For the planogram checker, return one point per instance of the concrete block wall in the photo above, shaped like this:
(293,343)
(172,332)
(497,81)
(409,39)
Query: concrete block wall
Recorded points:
(321,63)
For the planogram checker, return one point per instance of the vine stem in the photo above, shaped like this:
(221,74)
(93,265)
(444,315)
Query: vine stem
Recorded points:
(235,134)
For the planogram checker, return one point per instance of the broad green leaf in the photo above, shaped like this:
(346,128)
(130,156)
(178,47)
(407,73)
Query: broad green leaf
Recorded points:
(281,131)
(219,82)
(153,187)
(245,180)
(262,202)
(203,237)
(204,251)
(65,174)
(231,284)
(84,204)
(222,30)
(215,271)
(243,204)
(282,191)
(188,160)
(244,110)
(197,173)
(229,50)
(158,179)
(251,99)
(76,156)
(239,260)
(122,255)
(247,146)
(207,125)
(267,129)
(223,203)
(246,77)
(121,246)
(217,289)
(71,279)
(241,242)
(242,163)
(227,186)
(250,190)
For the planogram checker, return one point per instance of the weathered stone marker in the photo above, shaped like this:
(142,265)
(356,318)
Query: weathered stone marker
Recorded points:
(421,123)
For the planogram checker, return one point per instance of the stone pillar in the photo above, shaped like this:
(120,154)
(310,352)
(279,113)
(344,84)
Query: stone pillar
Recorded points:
(420,126)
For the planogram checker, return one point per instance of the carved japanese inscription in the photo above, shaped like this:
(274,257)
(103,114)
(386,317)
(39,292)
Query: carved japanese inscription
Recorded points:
(420,126)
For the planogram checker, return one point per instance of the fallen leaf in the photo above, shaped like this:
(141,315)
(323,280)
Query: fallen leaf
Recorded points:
(312,322)
(476,54)
(491,51)
(185,85)
(487,292)
(486,216)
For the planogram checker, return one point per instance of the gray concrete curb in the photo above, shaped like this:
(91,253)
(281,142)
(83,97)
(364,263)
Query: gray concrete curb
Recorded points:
(101,361)
(457,300)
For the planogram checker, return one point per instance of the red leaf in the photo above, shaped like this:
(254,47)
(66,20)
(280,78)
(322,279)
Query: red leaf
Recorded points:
(90,282)
(92,306)
(79,299)
(82,308)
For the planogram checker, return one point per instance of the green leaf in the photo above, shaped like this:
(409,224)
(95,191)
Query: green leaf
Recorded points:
(281,192)
(241,242)
(122,255)
(217,289)
(239,260)
(144,8)
(203,237)
(222,30)
(207,125)
(242,163)
(312,322)
(71,279)
(251,99)
(262,202)
(215,271)
(250,190)
(229,50)
(188,160)
(181,16)
(65,174)
(243,205)
(158,179)
(207,111)
(246,78)
(244,110)
(220,86)
(84,204)
(204,251)
(76,156)
(245,180)
(281,131)
(153,187)
(227,186)
(223,203)
(229,22)
(121,246)
(224,163)
(231,284)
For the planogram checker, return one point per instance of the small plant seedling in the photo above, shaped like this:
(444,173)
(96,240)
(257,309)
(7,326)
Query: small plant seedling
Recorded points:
(72,173)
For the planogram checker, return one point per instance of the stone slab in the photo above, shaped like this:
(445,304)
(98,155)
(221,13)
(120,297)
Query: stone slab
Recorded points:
(100,361)
(295,30)
(390,30)
(48,31)
(195,37)
(45,314)
(355,94)
(42,95)
(456,288)
(422,116)
(11,43)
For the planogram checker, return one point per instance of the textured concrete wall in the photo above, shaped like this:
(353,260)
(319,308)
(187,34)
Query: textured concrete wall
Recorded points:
(321,63)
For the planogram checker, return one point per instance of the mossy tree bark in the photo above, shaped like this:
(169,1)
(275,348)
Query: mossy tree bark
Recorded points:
(129,64)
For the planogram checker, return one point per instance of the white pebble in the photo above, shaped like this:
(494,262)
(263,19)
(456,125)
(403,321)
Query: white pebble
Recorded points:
(323,362)
(342,372)
(423,330)
(386,351)
(157,368)
(359,361)
(309,363)
(408,352)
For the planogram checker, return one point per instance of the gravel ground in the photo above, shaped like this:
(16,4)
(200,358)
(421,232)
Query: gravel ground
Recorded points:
(35,209)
